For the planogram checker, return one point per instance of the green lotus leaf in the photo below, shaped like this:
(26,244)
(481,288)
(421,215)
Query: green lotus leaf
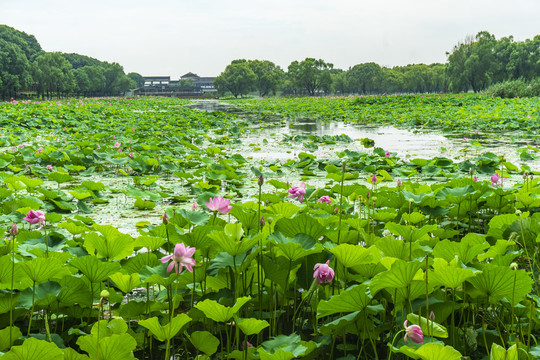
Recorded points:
(125,282)
(168,331)
(220,313)
(350,255)
(435,351)
(500,353)
(400,275)
(5,336)
(34,349)
(94,269)
(113,245)
(466,250)
(300,224)
(42,269)
(449,275)
(251,326)
(497,282)
(74,291)
(356,298)
(204,341)
(60,177)
(111,347)
(429,328)
(337,326)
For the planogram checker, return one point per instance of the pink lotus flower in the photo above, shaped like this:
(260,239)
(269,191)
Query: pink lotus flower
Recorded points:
(219,204)
(387,154)
(325,199)
(399,183)
(50,167)
(117,145)
(99,146)
(323,272)
(130,155)
(374,179)
(496,180)
(181,257)
(414,332)
(40,150)
(195,206)
(297,192)
(35,217)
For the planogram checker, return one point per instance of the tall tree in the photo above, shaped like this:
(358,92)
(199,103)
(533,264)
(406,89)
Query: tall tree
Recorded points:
(27,43)
(365,78)
(311,75)
(14,70)
(269,76)
(53,74)
(137,78)
(238,78)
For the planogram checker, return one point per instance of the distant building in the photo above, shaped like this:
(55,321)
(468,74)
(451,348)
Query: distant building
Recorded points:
(164,86)
(205,83)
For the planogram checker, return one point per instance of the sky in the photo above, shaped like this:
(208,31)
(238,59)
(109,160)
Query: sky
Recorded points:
(174,37)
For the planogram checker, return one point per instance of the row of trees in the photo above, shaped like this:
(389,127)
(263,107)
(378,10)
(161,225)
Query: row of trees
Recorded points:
(25,66)
(482,61)
(312,76)
(475,64)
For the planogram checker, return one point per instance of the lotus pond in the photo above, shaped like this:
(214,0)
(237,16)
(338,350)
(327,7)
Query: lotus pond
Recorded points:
(309,228)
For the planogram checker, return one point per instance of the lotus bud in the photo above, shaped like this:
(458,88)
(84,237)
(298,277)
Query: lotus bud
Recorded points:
(262,222)
(399,183)
(432,316)
(165,219)
(14,231)
(260,182)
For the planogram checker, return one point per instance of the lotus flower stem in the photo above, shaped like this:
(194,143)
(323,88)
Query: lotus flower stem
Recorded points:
(32,309)
(11,292)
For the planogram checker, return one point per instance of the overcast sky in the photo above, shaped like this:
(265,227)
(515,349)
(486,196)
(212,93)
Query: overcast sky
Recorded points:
(173,37)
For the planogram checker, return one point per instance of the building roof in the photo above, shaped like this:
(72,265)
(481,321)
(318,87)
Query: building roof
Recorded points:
(157,78)
(189,75)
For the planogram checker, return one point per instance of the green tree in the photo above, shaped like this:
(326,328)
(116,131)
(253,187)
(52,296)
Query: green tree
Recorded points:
(96,77)
(116,81)
(341,84)
(138,78)
(14,70)
(27,43)
(311,75)
(269,76)
(53,74)
(455,69)
(78,61)
(237,78)
(365,78)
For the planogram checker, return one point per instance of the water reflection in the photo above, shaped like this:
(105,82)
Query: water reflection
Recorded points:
(406,143)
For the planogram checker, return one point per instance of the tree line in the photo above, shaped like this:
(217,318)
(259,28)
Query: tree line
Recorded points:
(475,64)
(24,66)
